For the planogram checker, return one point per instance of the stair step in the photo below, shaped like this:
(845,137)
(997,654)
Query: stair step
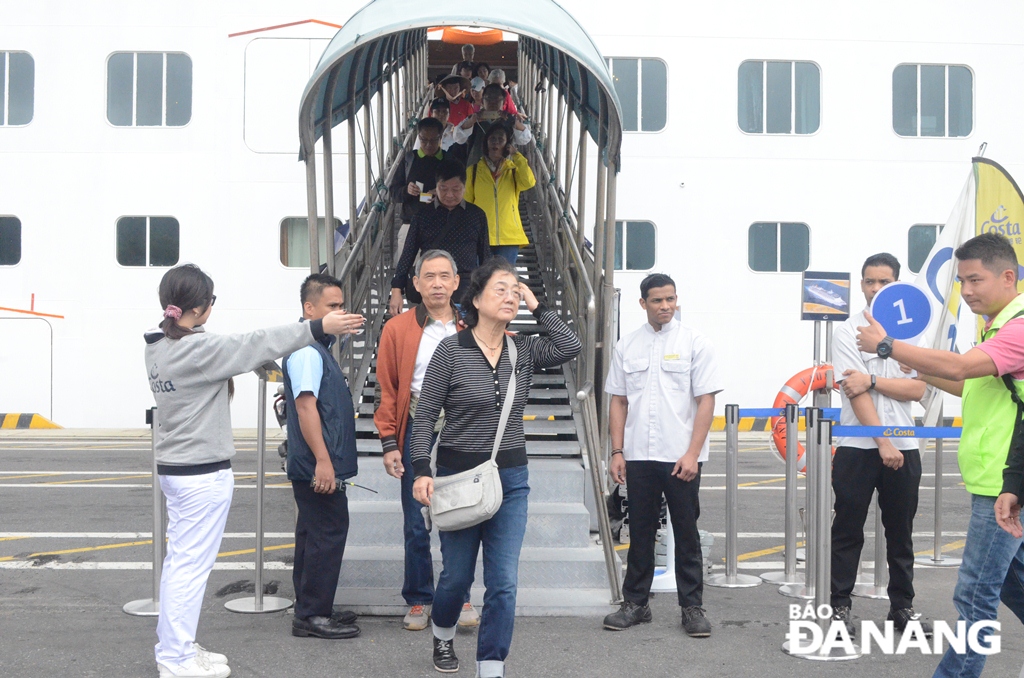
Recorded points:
(531,411)
(551,480)
(531,427)
(550,524)
(539,568)
(545,378)
(534,448)
(535,393)
(530,602)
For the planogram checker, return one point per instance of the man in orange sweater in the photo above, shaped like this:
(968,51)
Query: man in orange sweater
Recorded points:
(406,346)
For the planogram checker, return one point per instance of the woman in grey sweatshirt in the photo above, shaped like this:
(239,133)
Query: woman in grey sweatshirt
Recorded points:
(190,373)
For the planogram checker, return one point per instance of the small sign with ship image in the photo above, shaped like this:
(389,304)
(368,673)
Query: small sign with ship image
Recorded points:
(825,295)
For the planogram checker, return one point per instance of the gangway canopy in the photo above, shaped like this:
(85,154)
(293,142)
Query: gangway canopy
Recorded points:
(381,36)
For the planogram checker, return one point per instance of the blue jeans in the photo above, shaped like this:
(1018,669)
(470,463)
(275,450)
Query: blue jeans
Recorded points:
(992,570)
(502,539)
(418,588)
(508,252)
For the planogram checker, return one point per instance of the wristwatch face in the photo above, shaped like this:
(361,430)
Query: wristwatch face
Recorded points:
(884,348)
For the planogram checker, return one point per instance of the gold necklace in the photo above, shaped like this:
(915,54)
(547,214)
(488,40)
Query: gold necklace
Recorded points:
(477,337)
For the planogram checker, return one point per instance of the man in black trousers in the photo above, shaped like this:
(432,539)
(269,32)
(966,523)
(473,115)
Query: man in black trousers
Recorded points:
(321,456)
(876,392)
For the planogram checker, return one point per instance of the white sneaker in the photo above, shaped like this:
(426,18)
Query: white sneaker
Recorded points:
(212,657)
(469,617)
(196,667)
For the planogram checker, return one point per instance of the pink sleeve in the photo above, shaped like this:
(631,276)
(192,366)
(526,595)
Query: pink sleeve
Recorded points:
(1007,349)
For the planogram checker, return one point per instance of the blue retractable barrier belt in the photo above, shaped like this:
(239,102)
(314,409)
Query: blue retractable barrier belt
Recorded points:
(828,413)
(897,431)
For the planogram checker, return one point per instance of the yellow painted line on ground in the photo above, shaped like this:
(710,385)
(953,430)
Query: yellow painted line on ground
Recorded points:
(622,547)
(951,546)
(32,475)
(11,538)
(762,482)
(765,552)
(265,548)
(96,480)
(104,547)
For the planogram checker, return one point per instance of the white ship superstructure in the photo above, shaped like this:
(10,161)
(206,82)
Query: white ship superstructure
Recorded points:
(760,140)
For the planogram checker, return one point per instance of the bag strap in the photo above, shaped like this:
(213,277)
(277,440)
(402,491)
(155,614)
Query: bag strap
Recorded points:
(510,395)
(1008,382)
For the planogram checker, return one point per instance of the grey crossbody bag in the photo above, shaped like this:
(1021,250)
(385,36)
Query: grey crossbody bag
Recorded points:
(471,497)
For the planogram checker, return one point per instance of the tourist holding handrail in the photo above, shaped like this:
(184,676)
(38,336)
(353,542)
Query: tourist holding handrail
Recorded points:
(468,376)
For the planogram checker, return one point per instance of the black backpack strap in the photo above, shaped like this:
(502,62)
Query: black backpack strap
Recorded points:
(410,156)
(1013,474)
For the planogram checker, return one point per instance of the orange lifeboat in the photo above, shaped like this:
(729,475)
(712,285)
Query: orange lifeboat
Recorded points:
(799,385)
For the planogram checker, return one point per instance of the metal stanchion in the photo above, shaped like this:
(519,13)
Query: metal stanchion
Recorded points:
(260,603)
(878,588)
(819,470)
(150,607)
(731,579)
(805,590)
(789,575)
(936,559)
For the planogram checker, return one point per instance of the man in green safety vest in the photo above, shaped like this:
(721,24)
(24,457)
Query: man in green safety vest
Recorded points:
(990,380)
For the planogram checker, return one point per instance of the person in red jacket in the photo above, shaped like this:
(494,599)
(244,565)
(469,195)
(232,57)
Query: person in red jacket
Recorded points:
(406,346)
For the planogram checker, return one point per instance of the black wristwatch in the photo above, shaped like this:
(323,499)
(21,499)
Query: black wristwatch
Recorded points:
(884,348)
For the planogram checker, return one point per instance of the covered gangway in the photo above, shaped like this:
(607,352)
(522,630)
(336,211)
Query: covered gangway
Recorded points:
(373,77)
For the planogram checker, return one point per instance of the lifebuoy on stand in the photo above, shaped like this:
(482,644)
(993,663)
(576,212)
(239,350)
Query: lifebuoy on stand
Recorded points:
(800,384)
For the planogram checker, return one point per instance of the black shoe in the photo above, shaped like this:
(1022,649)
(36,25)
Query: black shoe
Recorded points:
(844,614)
(346,617)
(695,622)
(323,627)
(629,614)
(445,660)
(904,615)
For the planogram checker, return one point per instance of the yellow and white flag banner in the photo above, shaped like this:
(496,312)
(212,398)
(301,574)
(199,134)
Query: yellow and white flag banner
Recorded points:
(990,202)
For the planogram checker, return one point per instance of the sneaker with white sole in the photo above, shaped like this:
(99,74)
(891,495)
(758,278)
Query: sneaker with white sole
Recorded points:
(469,617)
(195,667)
(212,657)
(417,618)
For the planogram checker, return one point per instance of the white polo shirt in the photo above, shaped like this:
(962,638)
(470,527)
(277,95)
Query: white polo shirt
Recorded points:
(433,332)
(661,374)
(846,356)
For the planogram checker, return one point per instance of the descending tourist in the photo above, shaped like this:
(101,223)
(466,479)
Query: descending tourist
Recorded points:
(406,345)
(494,184)
(468,377)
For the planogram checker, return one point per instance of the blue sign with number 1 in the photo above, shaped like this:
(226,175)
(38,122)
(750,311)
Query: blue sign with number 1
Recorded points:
(902,309)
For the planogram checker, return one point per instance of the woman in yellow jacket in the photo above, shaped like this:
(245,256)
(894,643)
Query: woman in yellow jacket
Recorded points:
(493,184)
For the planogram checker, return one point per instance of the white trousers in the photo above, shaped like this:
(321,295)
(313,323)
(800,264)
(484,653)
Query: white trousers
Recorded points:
(197,510)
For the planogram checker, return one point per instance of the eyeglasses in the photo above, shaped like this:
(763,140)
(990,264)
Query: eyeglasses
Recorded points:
(502,292)
(213,300)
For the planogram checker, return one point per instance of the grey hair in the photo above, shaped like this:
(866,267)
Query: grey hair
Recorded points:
(497,75)
(429,255)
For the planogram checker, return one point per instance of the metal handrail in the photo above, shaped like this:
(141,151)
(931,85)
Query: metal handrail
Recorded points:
(598,474)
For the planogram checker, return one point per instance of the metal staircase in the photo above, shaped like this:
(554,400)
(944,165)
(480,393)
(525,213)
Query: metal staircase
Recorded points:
(377,85)
(562,570)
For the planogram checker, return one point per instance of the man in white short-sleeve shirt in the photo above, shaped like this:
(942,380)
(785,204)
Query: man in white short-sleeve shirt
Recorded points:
(876,392)
(662,381)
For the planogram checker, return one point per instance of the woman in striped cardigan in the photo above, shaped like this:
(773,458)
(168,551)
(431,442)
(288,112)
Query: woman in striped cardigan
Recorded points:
(468,376)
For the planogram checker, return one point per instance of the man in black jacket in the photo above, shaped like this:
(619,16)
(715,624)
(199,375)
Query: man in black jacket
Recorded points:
(450,224)
(413,184)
